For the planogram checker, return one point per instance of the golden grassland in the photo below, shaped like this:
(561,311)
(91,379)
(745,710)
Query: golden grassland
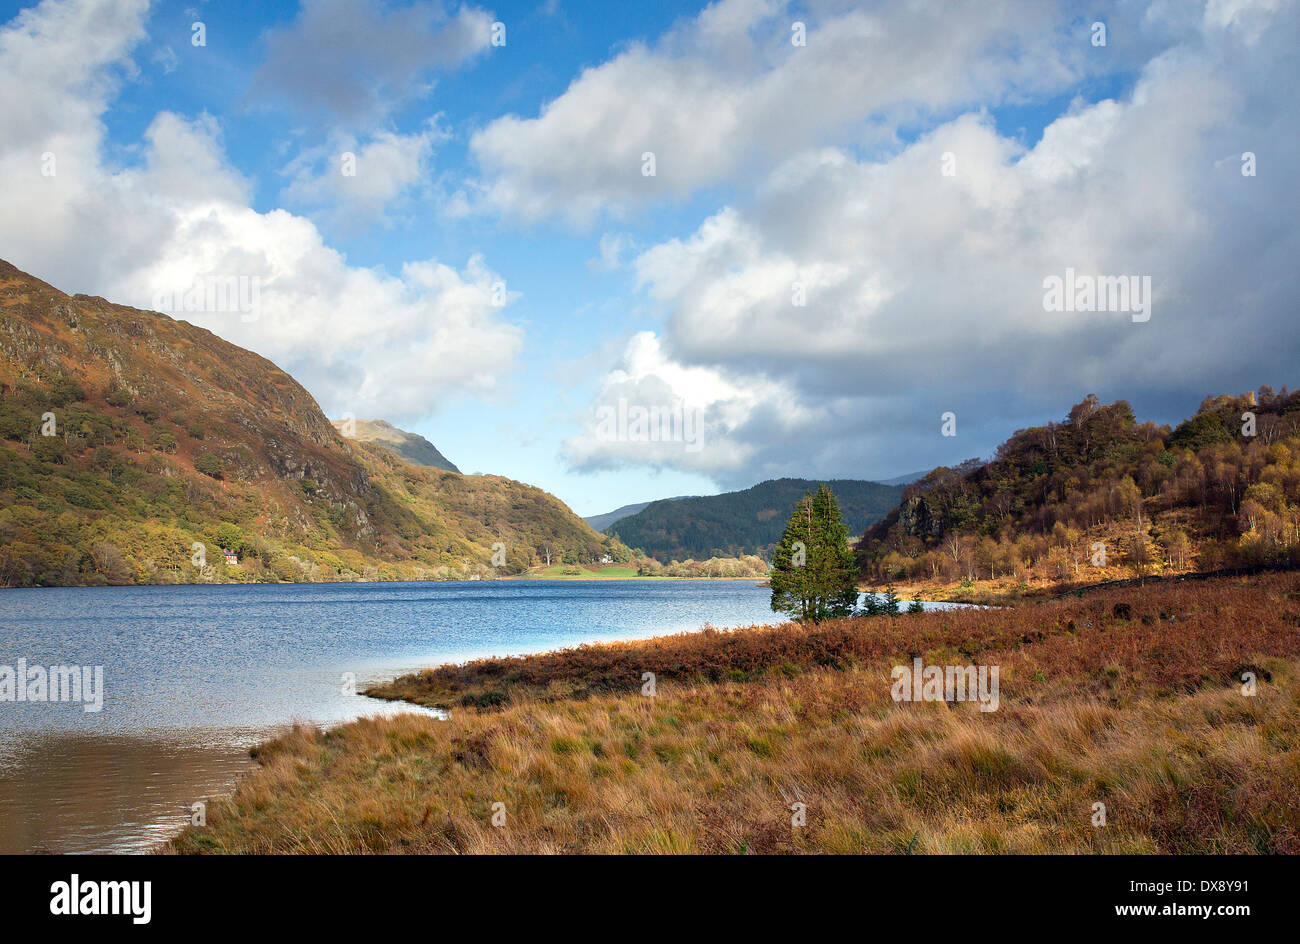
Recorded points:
(1130,697)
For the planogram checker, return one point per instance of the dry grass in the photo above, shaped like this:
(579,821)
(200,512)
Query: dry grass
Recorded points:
(1139,713)
(1171,638)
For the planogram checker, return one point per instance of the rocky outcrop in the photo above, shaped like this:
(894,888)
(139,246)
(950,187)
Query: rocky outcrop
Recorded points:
(916,519)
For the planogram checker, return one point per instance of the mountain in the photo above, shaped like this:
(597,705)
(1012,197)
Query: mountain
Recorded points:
(602,522)
(1099,491)
(412,447)
(905,479)
(135,447)
(744,522)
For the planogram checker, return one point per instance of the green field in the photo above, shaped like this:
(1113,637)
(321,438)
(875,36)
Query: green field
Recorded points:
(585,572)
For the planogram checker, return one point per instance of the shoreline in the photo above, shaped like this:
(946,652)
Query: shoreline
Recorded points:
(583,761)
(607,579)
(1004,592)
(495,619)
(330,583)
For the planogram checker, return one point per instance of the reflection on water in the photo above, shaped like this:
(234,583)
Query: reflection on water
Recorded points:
(194,676)
(81,793)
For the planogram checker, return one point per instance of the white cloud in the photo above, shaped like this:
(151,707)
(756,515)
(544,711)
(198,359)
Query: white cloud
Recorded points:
(1249,17)
(349,66)
(716,414)
(924,292)
(59,64)
(727,92)
(613,248)
(356,60)
(360,339)
(183,163)
(380,170)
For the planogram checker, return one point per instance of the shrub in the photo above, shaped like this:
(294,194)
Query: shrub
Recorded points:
(209,464)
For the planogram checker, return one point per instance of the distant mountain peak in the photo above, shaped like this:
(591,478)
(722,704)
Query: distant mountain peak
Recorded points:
(907,479)
(601,522)
(412,447)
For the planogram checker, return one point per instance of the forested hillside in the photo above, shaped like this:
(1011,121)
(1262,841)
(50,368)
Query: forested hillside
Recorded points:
(746,522)
(1099,491)
(602,522)
(135,448)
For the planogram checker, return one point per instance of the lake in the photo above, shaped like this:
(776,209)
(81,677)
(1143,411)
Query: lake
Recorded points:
(195,675)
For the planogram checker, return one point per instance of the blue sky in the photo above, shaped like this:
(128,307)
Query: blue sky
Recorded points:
(777,164)
(568,309)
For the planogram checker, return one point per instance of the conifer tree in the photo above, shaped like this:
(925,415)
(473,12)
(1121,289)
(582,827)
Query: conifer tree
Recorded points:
(813,575)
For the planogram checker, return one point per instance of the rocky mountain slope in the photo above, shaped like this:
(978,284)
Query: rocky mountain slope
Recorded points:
(136,448)
(412,447)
